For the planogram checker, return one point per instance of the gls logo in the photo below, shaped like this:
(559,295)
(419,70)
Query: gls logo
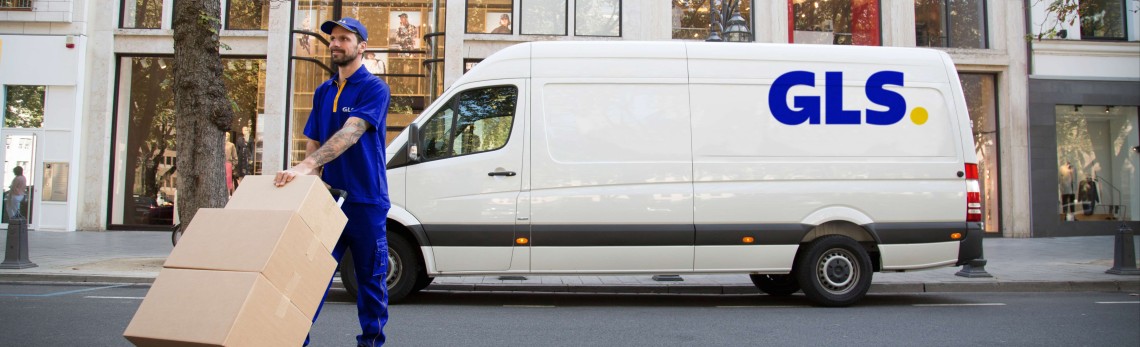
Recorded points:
(809,106)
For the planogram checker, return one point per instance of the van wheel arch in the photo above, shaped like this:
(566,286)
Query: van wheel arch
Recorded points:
(856,232)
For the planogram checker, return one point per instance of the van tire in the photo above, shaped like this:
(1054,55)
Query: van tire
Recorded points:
(403,270)
(422,282)
(835,271)
(776,285)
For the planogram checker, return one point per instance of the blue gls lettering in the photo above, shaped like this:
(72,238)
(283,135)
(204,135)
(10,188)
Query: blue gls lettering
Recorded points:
(807,108)
(895,103)
(808,105)
(835,112)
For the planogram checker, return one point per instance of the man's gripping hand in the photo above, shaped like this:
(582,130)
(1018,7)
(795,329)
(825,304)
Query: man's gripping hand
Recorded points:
(287,176)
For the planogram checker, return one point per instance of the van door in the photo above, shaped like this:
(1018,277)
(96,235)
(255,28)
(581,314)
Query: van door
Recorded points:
(466,186)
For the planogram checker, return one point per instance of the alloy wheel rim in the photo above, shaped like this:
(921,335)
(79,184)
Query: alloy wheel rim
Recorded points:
(395,268)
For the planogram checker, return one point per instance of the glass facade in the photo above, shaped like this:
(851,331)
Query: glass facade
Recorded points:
(145,177)
(834,22)
(539,17)
(1103,19)
(247,15)
(597,18)
(491,16)
(1097,176)
(403,50)
(981,102)
(691,19)
(141,14)
(950,23)
(24,106)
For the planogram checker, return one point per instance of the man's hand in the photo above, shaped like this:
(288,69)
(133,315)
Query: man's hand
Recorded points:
(287,176)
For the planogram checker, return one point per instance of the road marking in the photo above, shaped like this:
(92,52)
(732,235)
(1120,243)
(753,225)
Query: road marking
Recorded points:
(115,297)
(1118,302)
(529,306)
(766,306)
(68,292)
(952,305)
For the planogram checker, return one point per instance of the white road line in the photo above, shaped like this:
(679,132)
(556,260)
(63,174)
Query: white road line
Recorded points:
(952,305)
(529,306)
(1118,302)
(114,297)
(767,306)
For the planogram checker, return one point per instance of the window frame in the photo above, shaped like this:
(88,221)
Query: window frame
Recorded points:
(621,20)
(123,15)
(1123,10)
(453,104)
(467,19)
(229,6)
(879,3)
(565,21)
(944,16)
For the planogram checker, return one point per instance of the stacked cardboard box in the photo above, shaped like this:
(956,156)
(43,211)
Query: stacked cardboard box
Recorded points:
(252,274)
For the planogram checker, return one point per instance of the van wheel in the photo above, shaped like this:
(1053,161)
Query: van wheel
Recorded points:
(776,285)
(403,270)
(422,282)
(835,271)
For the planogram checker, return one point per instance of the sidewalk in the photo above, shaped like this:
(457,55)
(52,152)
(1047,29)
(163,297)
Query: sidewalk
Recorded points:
(1018,265)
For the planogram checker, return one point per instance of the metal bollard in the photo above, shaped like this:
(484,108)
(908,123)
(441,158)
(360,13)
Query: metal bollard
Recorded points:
(16,252)
(1124,254)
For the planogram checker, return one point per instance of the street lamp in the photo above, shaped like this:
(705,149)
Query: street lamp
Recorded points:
(737,30)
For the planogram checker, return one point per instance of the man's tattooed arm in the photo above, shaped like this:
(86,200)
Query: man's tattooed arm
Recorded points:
(339,142)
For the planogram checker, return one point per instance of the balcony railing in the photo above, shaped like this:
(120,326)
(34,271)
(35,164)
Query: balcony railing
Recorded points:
(15,5)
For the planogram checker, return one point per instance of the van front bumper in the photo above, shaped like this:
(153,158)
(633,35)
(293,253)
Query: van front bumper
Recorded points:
(971,247)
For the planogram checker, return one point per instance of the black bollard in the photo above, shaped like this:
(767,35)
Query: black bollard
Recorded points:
(16,253)
(974,269)
(1124,256)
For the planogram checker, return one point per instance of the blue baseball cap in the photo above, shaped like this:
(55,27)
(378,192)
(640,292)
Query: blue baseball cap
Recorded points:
(349,23)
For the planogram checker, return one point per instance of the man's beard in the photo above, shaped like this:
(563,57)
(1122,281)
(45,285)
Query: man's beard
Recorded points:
(345,58)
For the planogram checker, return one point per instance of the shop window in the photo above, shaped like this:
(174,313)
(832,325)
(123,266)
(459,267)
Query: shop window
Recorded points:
(402,51)
(16,5)
(539,17)
(141,14)
(691,19)
(834,22)
(487,16)
(950,23)
(981,103)
(597,18)
(145,176)
(24,106)
(1102,19)
(247,15)
(1097,163)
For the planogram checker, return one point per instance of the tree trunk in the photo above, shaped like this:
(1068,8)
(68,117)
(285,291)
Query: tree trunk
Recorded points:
(202,111)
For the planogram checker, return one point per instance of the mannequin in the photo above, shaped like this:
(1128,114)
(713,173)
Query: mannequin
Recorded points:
(1068,198)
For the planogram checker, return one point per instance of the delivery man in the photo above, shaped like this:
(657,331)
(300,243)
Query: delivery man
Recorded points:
(346,129)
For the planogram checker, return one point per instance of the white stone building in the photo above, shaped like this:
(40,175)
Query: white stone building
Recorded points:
(108,100)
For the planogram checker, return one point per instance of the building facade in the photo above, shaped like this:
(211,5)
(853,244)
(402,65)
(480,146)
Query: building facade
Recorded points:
(1084,93)
(107,115)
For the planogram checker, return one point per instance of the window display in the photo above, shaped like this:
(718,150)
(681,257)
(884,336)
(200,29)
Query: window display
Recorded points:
(1097,176)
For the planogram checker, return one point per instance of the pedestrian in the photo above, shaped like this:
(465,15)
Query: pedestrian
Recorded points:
(16,192)
(346,130)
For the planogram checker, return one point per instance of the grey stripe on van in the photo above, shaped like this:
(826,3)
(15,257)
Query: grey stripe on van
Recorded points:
(574,235)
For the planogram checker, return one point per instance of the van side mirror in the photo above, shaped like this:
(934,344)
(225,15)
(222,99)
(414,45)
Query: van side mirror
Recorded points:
(413,143)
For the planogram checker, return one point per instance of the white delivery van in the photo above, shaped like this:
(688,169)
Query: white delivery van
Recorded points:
(808,167)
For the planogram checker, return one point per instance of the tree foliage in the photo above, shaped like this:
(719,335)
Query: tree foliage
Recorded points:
(1061,13)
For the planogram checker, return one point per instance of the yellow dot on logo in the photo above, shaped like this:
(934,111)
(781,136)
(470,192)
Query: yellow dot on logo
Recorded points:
(919,116)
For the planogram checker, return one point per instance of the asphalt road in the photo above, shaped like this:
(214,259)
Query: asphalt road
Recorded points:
(96,315)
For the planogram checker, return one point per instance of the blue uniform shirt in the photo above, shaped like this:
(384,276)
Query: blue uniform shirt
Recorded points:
(360,169)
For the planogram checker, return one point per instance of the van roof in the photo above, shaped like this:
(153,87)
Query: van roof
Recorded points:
(672,59)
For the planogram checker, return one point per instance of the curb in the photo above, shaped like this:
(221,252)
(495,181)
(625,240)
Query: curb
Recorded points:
(690,289)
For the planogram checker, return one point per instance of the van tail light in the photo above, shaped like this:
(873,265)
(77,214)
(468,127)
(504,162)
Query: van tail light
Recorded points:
(973,194)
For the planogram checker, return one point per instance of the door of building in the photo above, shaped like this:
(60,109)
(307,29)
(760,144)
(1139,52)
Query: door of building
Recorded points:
(21,150)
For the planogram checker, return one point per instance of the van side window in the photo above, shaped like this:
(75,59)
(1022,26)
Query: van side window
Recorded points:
(482,124)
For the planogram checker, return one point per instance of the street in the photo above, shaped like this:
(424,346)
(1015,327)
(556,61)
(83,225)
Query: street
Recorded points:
(96,315)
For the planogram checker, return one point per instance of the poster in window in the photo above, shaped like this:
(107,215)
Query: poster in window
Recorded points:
(499,23)
(376,61)
(404,31)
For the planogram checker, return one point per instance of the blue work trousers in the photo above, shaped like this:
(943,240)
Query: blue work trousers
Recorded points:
(366,235)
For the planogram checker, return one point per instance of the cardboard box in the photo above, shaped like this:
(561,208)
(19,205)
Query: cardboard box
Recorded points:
(216,308)
(277,244)
(305,195)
